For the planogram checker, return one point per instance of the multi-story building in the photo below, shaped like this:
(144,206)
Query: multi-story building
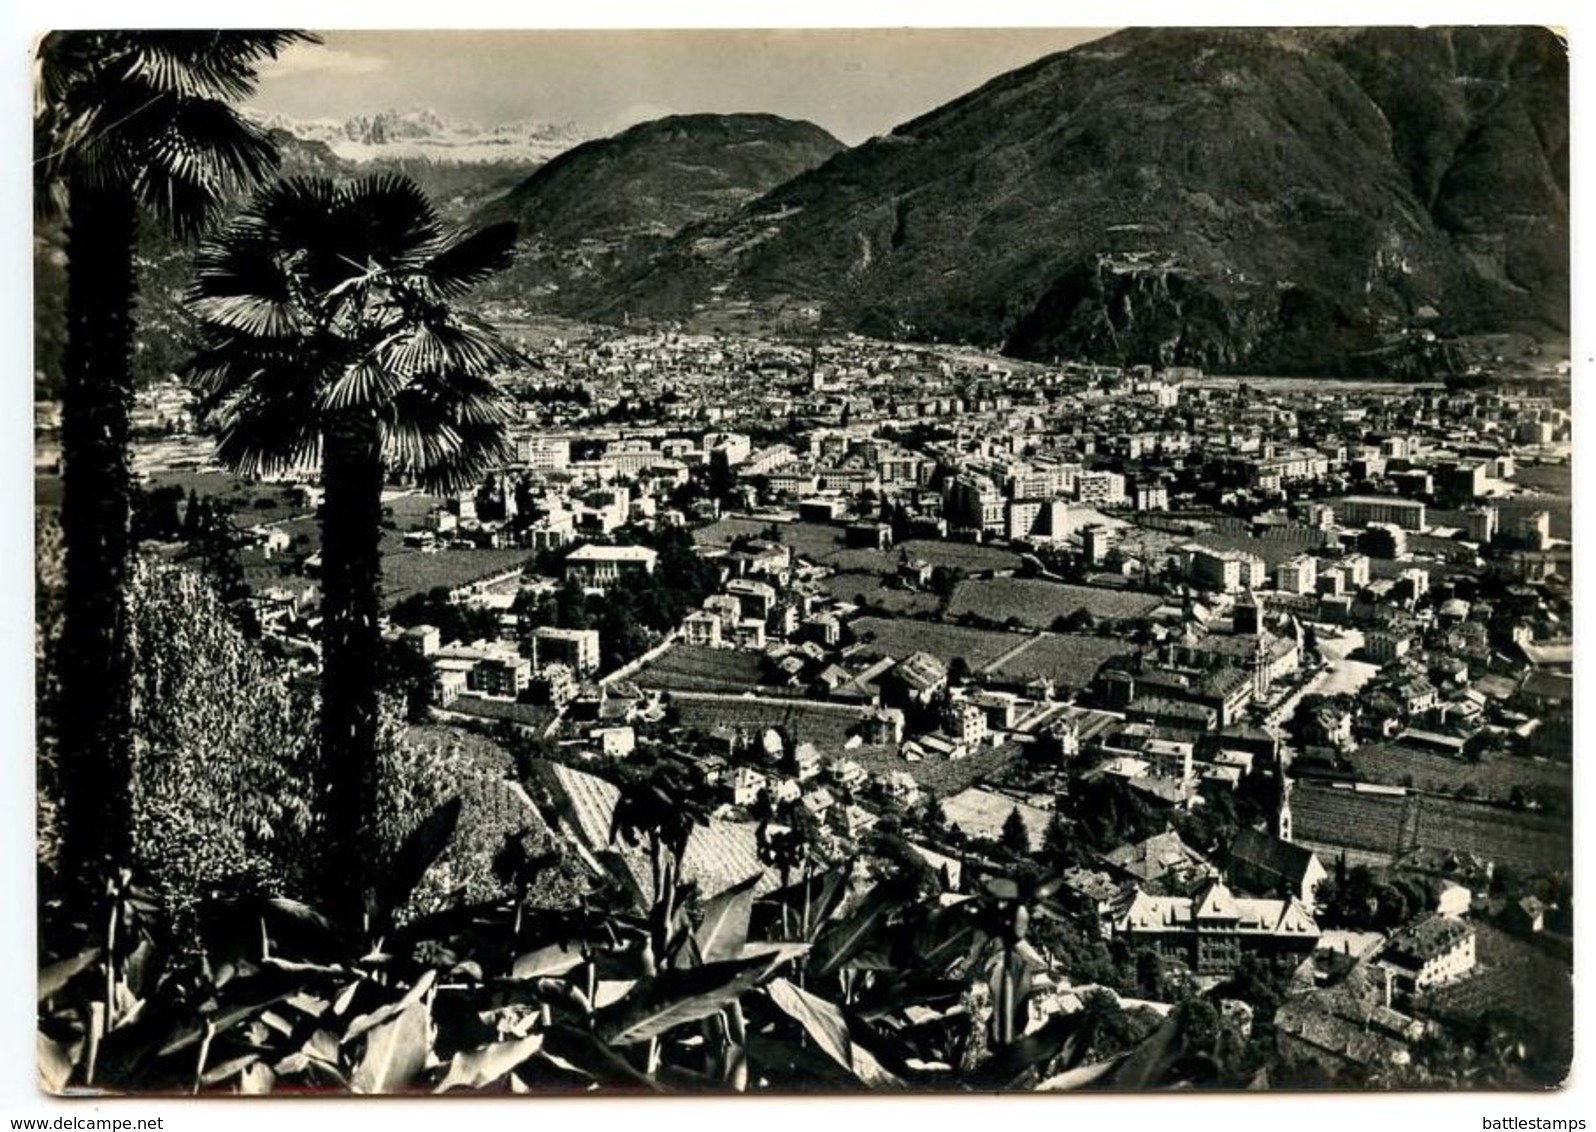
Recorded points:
(1298,574)
(602,566)
(1152,495)
(1211,930)
(755,599)
(1357,568)
(1226,571)
(730,447)
(1096,541)
(577,649)
(1428,953)
(1360,510)
(702,629)
(973,501)
(1387,644)
(967,722)
(1101,489)
(1480,524)
(544,453)
(500,673)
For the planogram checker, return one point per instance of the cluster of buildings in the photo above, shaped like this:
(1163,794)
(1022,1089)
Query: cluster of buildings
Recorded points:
(1317,568)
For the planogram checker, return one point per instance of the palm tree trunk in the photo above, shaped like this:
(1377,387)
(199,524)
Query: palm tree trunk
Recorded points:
(351,646)
(95,711)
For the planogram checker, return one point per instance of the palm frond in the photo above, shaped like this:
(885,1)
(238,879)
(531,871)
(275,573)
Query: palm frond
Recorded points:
(468,397)
(237,263)
(203,63)
(309,306)
(230,149)
(259,316)
(386,219)
(467,259)
(449,347)
(444,457)
(147,110)
(268,431)
(296,219)
(364,384)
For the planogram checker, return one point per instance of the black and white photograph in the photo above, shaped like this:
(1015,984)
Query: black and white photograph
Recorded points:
(802,561)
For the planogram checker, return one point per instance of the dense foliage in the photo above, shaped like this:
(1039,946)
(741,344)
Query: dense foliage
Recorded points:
(224,747)
(129,127)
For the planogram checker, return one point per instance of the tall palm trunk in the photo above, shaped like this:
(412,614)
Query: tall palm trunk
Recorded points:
(95,716)
(352,473)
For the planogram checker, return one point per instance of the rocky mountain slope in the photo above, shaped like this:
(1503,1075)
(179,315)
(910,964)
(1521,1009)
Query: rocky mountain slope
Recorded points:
(1245,199)
(600,207)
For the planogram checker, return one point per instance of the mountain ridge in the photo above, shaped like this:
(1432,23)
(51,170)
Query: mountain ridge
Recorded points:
(599,208)
(1234,198)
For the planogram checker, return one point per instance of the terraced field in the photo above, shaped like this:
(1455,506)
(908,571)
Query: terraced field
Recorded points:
(702,669)
(1037,604)
(1528,842)
(1518,978)
(964,556)
(898,637)
(408,572)
(822,543)
(1371,823)
(942,776)
(849,586)
(535,716)
(1395,763)
(1070,660)
(1386,825)
(827,726)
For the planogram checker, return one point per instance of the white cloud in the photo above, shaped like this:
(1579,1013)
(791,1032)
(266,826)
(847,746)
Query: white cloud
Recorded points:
(305,59)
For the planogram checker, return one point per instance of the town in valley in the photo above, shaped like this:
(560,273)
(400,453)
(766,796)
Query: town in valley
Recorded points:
(1271,670)
(1070,589)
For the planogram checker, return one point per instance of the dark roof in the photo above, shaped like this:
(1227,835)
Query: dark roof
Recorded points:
(1419,942)
(1260,861)
(1548,686)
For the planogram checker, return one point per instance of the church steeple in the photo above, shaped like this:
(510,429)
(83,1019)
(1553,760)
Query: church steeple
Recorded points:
(1283,814)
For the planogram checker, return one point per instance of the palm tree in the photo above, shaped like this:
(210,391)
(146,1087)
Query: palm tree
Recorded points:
(330,340)
(128,126)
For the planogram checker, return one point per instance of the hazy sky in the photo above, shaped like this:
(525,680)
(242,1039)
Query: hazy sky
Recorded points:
(855,83)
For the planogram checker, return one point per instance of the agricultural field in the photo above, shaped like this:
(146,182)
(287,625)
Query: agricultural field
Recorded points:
(943,777)
(535,716)
(698,669)
(1371,823)
(981,813)
(722,531)
(1531,843)
(407,572)
(1430,771)
(1553,479)
(822,543)
(1273,551)
(827,726)
(1519,978)
(483,752)
(899,602)
(1070,660)
(1518,507)
(964,556)
(409,512)
(1037,603)
(898,637)
(250,502)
